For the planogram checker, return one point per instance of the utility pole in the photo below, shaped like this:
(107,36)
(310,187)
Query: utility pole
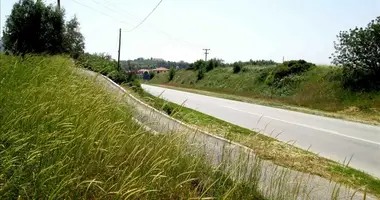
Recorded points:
(118,53)
(59,4)
(206,53)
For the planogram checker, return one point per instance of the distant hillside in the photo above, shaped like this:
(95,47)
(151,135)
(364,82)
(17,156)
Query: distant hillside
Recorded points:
(149,63)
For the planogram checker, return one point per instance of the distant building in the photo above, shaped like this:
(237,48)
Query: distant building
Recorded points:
(160,70)
(143,74)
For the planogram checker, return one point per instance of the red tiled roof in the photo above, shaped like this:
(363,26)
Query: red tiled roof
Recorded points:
(161,69)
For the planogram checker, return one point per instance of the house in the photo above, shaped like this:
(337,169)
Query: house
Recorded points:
(160,70)
(142,71)
(144,74)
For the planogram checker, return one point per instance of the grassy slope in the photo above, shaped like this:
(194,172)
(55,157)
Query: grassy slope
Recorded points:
(61,137)
(268,148)
(316,91)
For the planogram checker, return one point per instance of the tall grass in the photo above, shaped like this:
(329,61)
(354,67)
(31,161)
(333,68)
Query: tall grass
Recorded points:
(61,137)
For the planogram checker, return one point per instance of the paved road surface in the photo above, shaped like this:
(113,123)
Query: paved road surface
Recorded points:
(332,138)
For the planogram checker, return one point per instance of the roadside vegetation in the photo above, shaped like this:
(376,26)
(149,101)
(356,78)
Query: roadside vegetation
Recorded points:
(64,137)
(315,89)
(349,89)
(268,148)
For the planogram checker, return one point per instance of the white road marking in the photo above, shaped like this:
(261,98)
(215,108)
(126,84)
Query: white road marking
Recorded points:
(307,126)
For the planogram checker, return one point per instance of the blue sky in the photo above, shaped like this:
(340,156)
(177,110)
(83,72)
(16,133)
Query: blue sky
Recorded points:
(233,29)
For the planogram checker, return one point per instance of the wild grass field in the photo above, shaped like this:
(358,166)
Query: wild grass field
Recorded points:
(317,90)
(63,137)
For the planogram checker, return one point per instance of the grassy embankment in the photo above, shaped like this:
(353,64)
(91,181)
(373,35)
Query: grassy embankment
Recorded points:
(61,137)
(316,91)
(268,148)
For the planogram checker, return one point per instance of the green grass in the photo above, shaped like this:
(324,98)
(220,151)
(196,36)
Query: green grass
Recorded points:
(62,137)
(268,148)
(317,91)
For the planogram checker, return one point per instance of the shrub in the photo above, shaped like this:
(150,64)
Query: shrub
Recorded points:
(291,67)
(200,74)
(151,75)
(212,64)
(171,74)
(168,109)
(357,51)
(237,66)
(118,76)
(197,65)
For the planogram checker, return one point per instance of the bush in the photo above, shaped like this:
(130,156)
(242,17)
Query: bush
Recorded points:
(151,75)
(168,109)
(291,67)
(237,66)
(200,74)
(197,65)
(135,86)
(118,76)
(171,74)
(357,51)
(212,64)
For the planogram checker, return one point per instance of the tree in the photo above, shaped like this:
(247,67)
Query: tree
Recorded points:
(357,51)
(200,74)
(33,27)
(237,66)
(171,73)
(73,39)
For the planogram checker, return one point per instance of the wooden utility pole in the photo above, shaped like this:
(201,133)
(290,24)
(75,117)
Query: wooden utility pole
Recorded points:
(59,4)
(118,54)
(206,53)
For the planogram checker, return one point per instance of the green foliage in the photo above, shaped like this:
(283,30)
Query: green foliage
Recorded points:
(212,64)
(104,64)
(33,27)
(261,62)
(151,75)
(149,63)
(288,68)
(98,62)
(237,67)
(64,137)
(357,51)
(206,65)
(197,65)
(200,74)
(318,88)
(73,39)
(171,74)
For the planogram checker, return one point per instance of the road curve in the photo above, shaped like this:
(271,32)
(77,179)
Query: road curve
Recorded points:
(331,138)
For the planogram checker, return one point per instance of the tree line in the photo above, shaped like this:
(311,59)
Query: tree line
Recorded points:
(36,28)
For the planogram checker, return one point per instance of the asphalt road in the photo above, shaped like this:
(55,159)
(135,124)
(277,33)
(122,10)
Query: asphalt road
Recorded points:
(336,139)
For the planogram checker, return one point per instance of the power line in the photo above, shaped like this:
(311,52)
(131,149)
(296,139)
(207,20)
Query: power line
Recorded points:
(146,17)
(132,16)
(101,12)
(155,28)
